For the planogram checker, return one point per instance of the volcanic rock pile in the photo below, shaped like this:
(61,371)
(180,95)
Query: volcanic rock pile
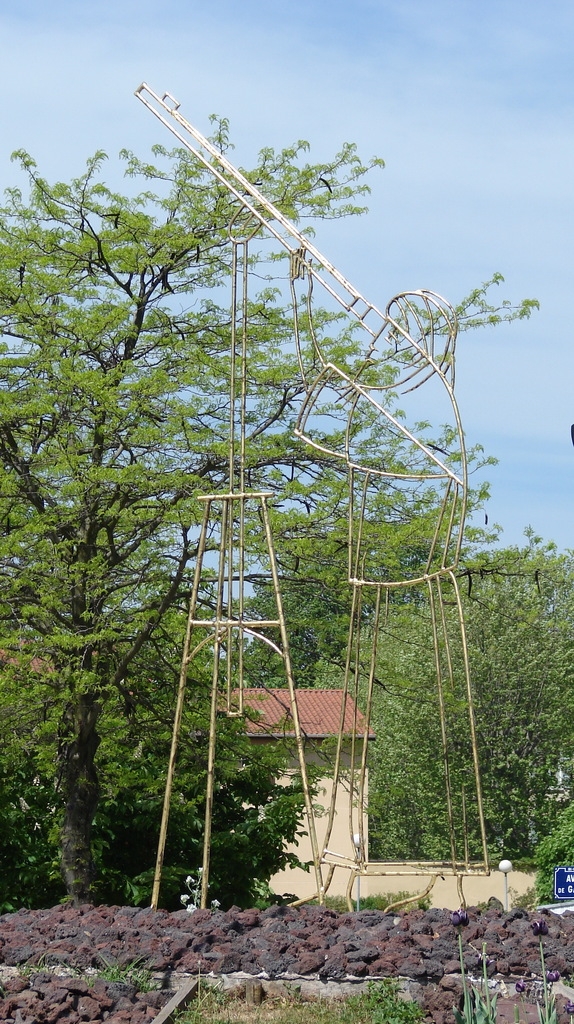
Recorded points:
(43,998)
(281,942)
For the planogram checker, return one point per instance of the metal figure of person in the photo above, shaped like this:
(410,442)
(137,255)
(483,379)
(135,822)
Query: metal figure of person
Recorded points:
(398,476)
(395,469)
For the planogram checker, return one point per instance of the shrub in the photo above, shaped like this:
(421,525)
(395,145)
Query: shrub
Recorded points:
(381,900)
(555,850)
(527,900)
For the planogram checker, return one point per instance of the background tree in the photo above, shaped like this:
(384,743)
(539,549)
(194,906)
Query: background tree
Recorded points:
(555,850)
(520,634)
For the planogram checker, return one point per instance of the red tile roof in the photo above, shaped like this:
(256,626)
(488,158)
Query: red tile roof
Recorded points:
(319,713)
(15,661)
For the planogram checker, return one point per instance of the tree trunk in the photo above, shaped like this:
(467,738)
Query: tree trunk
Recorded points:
(81,789)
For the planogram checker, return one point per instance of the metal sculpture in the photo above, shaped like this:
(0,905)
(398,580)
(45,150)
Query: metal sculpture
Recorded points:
(410,345)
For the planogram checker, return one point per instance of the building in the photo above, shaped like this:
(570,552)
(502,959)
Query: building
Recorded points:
(269,720)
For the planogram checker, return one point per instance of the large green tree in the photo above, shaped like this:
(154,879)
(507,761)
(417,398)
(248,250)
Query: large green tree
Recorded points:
(114,366)
(254,815)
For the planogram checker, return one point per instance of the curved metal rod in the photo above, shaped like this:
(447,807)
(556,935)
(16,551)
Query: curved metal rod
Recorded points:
(412,899)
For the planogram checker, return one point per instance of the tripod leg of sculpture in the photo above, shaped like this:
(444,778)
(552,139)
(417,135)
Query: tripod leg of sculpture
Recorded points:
(349,892)
(351,739)
(470,708)
(362,791)
(210,775)
(178,714)
(357,791)
(226,514)
(412,899)
(294,711)
(337,767)
(358,761)
(442,712)
(358,765)
(441,625)
(471,717)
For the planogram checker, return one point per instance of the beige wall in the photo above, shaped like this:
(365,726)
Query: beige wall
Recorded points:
(302,883)
(476,888)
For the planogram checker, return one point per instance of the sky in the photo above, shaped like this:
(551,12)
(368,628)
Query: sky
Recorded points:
(471,107)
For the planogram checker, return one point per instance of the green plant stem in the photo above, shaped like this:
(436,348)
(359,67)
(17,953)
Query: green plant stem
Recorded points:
(544,981)
(468,1014)
(485,979)
(461,958)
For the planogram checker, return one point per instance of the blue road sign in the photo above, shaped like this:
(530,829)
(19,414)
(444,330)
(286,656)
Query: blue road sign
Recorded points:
(564,883)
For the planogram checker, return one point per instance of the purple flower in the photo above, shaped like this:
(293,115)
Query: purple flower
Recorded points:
(484,961)
(569,1008)
(459,918)
(539,927)
(520,986)
(552,976)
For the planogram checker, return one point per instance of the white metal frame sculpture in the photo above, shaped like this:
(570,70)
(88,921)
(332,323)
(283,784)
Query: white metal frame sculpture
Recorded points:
(414,338)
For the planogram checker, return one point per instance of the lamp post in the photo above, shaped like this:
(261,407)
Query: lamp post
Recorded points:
(505,866)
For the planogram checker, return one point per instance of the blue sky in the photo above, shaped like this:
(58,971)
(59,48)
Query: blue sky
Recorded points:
(470,105)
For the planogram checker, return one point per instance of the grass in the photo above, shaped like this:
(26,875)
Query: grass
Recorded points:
(381,1004)
(135,973)
(380,901)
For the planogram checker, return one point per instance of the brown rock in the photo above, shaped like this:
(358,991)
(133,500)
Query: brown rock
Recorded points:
(15,984)
(449,983)
(412,968)
(99,990)
(88,1008)
(358,969)
(249,918)
(309,962)
(434,968)
(156,998)
(505,1012)
(24,999)
(6,1007)
(438,1002)
(56,1012)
